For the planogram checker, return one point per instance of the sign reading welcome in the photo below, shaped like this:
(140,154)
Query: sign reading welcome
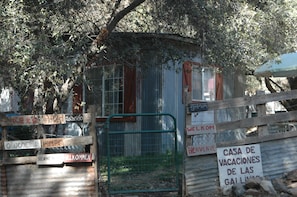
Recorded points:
(239,163)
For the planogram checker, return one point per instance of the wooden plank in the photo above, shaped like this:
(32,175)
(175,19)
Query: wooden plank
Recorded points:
(257,139)
(47,119)
(252,100)
(59,142)
(50,159)
(257,121)
(22,144)
(200,129)
(52,142)
(201,144)
(25,120)
(78,157)
(83,140)
(60,158)
(50,119)
(85,117)
(47,143)
(93,147)
(4,189)
(198,107)
(201,150)
(19,160)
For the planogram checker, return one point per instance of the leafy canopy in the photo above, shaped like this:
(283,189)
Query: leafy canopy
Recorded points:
(44,43)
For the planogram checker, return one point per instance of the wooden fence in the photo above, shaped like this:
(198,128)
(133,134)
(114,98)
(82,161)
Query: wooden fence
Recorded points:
(205,170)
(28,169)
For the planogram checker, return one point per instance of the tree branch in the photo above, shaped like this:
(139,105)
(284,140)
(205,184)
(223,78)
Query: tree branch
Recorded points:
(101,37)
(286,103)
(104,33)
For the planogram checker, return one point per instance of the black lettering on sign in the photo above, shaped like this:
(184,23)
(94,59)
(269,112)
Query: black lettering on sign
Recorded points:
(197,107)
(74,118)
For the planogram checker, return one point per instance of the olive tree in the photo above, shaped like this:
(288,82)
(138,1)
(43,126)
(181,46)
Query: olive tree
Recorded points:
(46,43)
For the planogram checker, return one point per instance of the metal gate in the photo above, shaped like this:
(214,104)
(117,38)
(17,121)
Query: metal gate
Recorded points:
(149,161)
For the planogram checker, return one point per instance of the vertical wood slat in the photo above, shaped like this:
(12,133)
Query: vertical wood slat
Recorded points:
(94,148)
(3,167)
(261,111)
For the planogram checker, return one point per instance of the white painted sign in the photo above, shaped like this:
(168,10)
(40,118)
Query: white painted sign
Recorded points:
(200,129)
(205,117)
(239,163)
(22,144)
(60,158)
(50,159)
(202,144)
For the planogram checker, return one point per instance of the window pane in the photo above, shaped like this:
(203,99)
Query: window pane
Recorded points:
(108,110)
(203,83)
(106,89)
(209,84)
(196,83)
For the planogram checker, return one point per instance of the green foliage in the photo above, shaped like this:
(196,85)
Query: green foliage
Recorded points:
(241,34)
(44,43)
(38,47)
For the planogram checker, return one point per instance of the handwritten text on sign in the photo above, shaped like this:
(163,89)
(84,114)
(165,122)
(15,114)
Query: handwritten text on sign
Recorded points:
(200,129)
(22,144)
(86,117)
(202,144)
(239,163)
(197,107)
(59,158)
(200,150)
(47,119)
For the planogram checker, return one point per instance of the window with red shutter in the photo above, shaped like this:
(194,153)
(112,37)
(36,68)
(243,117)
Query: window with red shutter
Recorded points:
(202,82)
(77,99)
(112,89)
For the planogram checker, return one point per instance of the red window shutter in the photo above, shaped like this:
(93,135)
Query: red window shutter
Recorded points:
(129,89)
(219,86)
(187,79)
(187,76)
(77,99)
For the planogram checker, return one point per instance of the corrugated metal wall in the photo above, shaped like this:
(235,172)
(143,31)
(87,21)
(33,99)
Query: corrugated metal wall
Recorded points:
(279,156)
(172,99)
(34,181)
(202,175)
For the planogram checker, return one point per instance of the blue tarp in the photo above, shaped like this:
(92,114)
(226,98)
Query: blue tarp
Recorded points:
(283,66)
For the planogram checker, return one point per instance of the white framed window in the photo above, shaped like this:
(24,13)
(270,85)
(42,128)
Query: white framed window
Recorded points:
(105,89)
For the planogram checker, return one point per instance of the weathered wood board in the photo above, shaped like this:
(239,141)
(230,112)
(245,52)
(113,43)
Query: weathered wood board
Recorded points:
(22,144)
(46,143)
(47,119)
(60,158)
(26,120)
